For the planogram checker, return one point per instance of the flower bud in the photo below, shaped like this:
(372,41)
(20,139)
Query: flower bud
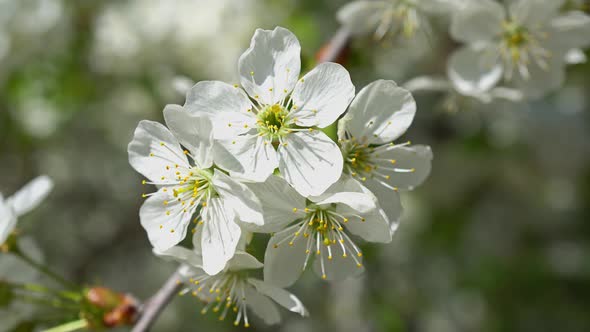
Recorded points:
(115,309)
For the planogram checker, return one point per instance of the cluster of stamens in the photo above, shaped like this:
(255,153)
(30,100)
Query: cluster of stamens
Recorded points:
(364,161)
(223,294)
(187,185)
(322,229)
(403,18)
(273,122)
(519,46)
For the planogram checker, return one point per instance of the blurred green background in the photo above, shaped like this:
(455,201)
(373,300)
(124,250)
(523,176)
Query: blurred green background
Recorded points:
(498,238)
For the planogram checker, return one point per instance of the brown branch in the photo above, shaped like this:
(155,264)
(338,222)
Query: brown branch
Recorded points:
(336,49)
(156,304)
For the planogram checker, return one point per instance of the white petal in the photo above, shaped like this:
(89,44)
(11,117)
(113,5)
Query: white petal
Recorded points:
(362,17)
(570,30)
(245,239)
(322,95)
(181,255)
(147,154)
(471,73)
(427,83)
(478,21)
(541,81)
(389,201)
(243,261)
(310,162)
(182,84)
(165,225)
(7,220)
(281,204)
(31,195)
(375,228)
(381,112)
(509,94)
(349,192)
(226,104)
(575,57)
(220,236)
(238,197)
(411,165)
(283,265)
(216,97)
(534,13)
(262,306)
(194,131)
(338,268)
(269,68)
(246,157)
(280,296)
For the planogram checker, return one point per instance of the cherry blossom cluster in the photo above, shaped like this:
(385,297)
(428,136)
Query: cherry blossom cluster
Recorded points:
(511,50)
(255,157)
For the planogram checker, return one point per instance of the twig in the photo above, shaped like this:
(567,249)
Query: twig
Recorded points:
(335,47)
(156,304)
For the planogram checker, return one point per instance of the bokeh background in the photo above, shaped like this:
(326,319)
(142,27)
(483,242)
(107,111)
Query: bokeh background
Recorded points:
(497,239)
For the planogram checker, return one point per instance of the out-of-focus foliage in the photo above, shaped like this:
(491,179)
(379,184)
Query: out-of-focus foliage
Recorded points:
(496,240)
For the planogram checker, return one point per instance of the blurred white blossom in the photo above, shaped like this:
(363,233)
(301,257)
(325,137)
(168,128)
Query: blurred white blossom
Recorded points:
(23,201)
(524,43)
(202,36)
(391,18)
(455,88)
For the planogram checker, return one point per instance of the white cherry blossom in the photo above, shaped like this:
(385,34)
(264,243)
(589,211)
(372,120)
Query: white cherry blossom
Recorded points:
(380,114)
(526,43)
(23,201)
(390,18)
(186,181)
(272,122)
(455,91)
(321,227)
(232,292)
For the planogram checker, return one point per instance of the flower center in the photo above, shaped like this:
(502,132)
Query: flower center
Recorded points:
(358,158)
(516,38)
(519,46)
(188,186)
(272,122)
(322,229)
(364,161)
(223,293)
(406,13)
(194,184)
